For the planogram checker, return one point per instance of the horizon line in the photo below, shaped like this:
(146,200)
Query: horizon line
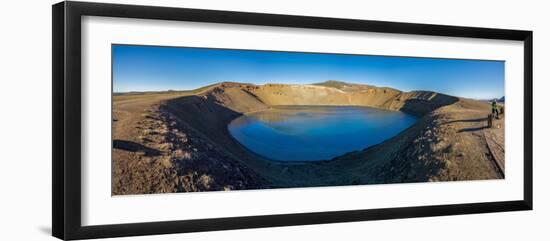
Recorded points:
(276,83)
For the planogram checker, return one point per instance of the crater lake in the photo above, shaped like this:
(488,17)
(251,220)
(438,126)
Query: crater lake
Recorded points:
(314,133)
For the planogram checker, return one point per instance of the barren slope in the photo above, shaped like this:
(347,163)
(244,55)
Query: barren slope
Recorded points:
(449,142)
(153,152)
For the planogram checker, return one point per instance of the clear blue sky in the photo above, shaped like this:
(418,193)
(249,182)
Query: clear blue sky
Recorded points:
(149,68)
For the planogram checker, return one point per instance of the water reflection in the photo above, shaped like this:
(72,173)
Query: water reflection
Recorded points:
(311,133)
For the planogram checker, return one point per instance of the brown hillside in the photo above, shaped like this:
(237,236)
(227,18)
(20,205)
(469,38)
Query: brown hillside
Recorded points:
(449,142)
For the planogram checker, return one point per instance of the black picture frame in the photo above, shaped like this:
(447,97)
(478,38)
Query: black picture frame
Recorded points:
(66,159)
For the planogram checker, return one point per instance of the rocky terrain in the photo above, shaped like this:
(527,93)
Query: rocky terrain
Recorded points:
(179,142)
(155,153)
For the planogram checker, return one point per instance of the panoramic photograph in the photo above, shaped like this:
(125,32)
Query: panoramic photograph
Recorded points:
(188,119)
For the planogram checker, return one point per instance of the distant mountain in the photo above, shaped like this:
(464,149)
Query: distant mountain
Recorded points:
(337,84)
(349,87)
(499,100)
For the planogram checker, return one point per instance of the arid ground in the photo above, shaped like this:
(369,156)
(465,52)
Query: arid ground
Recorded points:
(178,141)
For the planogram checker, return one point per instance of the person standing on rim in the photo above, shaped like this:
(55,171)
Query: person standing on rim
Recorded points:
(494,108)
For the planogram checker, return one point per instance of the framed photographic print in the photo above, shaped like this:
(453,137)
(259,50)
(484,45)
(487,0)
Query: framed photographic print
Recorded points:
(170,120)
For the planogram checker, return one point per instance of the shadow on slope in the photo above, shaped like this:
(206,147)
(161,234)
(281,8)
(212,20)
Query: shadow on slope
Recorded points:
(423,102)
(135,147)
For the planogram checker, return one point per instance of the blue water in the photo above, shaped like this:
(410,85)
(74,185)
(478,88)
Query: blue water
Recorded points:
(313,133)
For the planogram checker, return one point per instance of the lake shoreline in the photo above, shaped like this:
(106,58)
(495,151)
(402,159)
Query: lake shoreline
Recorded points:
(307,133)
